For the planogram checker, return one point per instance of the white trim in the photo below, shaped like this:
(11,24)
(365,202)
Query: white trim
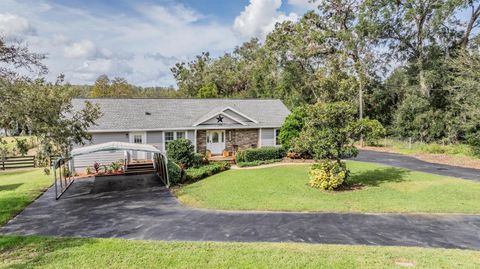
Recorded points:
(240,113)
(164,144)
(275,130)
(259,137)
(131,137)
(185,128)
(220,113)
(195,139)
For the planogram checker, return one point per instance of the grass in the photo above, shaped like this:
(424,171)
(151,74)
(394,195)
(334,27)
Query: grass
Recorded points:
(29,252)
(18,188)
(285,188)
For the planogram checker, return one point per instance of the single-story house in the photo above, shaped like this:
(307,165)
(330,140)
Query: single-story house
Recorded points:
(212,125)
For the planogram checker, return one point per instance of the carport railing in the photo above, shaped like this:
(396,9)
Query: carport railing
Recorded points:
(62,173)
(160,165)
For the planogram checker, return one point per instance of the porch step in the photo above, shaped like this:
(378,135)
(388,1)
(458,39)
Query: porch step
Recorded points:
(140,168)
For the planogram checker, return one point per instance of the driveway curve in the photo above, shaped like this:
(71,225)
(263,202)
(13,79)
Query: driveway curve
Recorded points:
(153,213)
(409,162)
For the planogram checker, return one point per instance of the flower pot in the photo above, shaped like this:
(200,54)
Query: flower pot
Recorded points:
(226,153)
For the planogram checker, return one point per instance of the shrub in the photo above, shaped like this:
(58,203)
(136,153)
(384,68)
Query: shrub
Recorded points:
(115,166)
(174,173)
(199,160)
(89,171)
(373,131)
(292,126)
(194,174)
(328,175)
(257,163)
(96,166)
(261,154)
(473,141)
(181,152)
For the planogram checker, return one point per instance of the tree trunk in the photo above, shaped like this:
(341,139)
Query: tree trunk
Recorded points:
(360,106)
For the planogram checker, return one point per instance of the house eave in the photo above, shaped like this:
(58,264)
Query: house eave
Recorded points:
(216,127)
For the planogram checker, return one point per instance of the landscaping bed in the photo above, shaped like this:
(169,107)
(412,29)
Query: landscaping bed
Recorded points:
(374,188)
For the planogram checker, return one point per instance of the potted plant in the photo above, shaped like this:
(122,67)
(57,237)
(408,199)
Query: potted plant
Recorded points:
(209,154)
(226,153)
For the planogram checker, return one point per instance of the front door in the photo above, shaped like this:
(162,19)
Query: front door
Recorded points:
(139,138)
(216,141)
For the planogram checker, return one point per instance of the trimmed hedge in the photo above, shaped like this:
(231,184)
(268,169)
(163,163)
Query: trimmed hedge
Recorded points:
(194,174)
(257,163)
(260,154)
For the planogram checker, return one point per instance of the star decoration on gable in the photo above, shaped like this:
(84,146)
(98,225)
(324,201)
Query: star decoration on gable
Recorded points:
(219,119)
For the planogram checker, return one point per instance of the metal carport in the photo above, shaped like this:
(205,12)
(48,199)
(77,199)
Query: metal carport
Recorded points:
(62,181)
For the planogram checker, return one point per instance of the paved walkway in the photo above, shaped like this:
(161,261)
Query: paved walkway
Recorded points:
(405,161)
(151,212)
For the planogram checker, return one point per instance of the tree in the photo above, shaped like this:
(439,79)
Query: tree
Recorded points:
(101,88)
(208,91)
(42,108)
(330,131)
(121,88)
(292,126)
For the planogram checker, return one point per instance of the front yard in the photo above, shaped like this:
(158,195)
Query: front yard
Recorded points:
(18,188)
(26,252)
(383,189)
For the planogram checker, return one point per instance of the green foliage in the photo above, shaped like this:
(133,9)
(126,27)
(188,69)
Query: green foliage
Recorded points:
(292,126)
(199,160)
(208,91)
(174,173)
(260,154)
(194,174)
(328,175)
(373,131)
(181,151)
(89,170)
(473,140)
(330,131)
(115,166)
(257,163)
(23,146)
(118,87)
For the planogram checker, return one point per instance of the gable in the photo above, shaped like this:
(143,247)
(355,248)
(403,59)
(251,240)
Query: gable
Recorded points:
(225,116)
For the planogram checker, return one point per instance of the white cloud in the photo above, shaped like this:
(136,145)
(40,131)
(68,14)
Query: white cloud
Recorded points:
(84,48)
(91,69)
(260,17)
(13,25)
(303,4)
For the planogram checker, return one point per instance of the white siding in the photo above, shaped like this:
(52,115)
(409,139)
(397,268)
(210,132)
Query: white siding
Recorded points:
(267,138)
(106,157)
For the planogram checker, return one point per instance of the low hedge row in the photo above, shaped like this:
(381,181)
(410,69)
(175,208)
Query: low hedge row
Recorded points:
(174,173)
(260,154)
(257,163)
(194,174)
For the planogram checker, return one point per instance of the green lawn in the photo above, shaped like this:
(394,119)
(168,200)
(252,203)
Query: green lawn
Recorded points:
(18,188)
(284,188)
(28,252)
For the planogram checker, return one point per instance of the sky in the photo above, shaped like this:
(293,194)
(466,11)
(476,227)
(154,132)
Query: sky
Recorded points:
(137,40)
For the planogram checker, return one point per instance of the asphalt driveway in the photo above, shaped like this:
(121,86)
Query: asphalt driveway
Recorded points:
(404,161)
(150,211)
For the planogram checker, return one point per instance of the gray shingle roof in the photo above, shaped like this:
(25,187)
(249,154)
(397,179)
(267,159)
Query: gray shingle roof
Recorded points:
(130,114)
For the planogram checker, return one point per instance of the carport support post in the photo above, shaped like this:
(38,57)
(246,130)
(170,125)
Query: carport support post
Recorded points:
(55,180)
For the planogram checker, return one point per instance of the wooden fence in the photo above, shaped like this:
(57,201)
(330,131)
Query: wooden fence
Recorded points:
(17,162)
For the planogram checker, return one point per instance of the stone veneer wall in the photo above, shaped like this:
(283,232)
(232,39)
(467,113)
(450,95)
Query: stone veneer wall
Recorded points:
(243,138)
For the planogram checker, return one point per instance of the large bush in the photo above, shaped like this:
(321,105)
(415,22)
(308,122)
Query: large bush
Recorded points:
(292,126)
(194,174)
(181,151)
(328,175)
(261,154)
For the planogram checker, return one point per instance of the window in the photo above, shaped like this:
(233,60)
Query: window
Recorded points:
(137,139)
(180,135)
(277,142)
(169,136)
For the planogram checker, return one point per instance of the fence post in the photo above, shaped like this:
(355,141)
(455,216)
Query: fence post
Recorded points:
(409,143)
(385,141)
(34,162)
(3,162)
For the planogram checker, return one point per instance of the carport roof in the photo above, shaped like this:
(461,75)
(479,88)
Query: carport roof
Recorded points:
(114,146)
